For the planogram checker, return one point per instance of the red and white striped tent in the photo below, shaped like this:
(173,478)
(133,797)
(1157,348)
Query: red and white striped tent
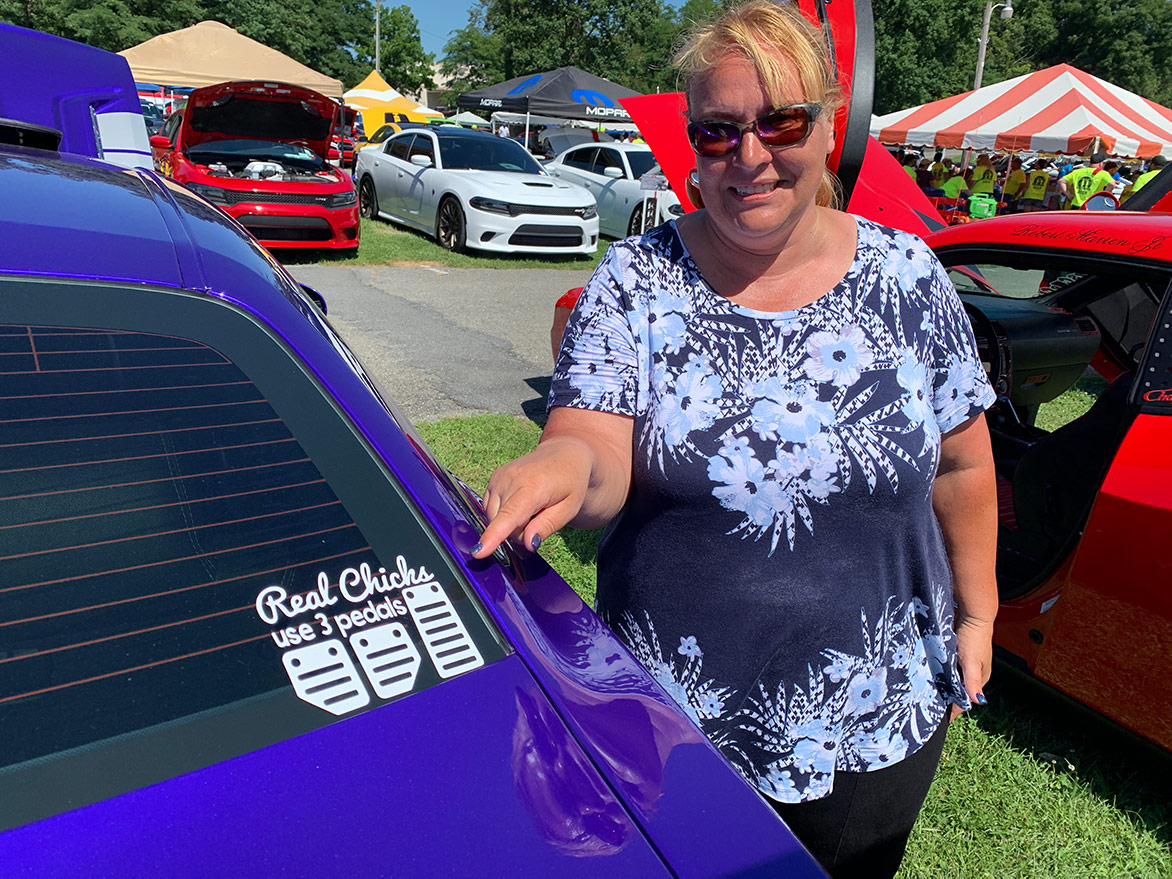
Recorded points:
(1057,110)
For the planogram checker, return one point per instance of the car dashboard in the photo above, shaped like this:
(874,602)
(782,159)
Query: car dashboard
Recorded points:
(1031,352)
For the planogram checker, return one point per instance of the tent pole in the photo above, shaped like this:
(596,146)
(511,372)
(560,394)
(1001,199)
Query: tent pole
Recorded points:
(526,143)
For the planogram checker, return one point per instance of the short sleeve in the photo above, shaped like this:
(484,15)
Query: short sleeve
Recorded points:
(960,388)
(596,366)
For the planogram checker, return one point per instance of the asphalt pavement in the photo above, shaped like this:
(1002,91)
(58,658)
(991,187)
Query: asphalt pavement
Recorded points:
(446,342)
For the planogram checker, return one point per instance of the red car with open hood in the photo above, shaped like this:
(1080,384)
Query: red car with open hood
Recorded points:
(259,150)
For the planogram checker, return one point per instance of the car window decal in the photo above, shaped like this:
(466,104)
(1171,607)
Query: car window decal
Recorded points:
(369,607)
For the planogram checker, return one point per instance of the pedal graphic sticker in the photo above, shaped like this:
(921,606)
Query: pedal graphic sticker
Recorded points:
(388,658)
(447,641)
(375,616)
(324,675)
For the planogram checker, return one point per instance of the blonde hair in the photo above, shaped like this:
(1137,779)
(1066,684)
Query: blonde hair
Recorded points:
(767,34)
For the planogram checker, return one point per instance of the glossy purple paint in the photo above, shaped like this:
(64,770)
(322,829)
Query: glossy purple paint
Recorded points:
(569,727)
(454,779)
(61,84)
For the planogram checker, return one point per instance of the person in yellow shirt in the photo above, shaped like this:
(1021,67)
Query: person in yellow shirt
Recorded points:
(984,176)
(1081,183)
(1015,186)
(1156,166)
(939,169)
(1037,186)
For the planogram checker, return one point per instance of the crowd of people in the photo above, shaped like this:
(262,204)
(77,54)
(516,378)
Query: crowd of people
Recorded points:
(1047,184)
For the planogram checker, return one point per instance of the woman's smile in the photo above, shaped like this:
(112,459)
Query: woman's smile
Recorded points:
(756,188)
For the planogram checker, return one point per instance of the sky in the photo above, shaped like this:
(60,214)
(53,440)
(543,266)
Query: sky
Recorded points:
(437,18)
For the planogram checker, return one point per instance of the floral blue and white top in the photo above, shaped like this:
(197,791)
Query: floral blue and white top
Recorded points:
(777,566)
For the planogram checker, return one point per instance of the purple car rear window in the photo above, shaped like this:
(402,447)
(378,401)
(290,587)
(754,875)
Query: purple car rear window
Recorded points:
(169,548)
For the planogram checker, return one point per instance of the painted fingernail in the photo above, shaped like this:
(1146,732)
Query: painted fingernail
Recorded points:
(981,700)
(535,542)
(477,548)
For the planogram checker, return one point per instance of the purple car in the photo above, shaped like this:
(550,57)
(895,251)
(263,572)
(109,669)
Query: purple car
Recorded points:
(240,629)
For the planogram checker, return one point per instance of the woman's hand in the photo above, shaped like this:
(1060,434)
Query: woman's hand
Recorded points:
(974,653)
(579,474)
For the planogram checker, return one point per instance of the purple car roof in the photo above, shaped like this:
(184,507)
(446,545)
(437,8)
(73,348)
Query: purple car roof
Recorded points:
(636,761)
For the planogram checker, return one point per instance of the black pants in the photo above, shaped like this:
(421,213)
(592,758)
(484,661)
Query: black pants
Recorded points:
(861,828)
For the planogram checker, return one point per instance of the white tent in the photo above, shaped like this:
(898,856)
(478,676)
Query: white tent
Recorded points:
(468,118)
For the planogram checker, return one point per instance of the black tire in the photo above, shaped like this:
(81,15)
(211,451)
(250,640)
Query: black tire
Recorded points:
(635,224)
(450,228)
(367,199)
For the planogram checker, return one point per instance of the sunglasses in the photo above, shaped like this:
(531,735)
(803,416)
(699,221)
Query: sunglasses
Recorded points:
(777,129)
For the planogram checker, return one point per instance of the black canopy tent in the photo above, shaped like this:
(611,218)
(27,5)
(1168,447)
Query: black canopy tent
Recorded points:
(566,93)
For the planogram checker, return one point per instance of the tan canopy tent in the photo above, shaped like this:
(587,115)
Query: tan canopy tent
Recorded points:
(379,103)
(210,52)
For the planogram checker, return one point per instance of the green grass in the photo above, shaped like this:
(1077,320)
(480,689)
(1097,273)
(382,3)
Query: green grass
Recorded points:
(1026,788)
(1071,404)
(473,447)
(382,244)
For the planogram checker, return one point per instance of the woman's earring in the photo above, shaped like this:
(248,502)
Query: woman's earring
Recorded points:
(692,188)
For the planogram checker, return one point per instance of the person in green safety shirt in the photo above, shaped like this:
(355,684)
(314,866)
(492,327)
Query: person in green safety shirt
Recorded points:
(1037,185)
(1081,183)
(984,176)
(1156,166)
(955,186)
(939,169)
(1015,186)
(908,161)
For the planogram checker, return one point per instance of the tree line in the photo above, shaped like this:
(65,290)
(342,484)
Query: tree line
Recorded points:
(925,49)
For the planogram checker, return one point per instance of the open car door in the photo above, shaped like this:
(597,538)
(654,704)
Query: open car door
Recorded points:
(1079,299)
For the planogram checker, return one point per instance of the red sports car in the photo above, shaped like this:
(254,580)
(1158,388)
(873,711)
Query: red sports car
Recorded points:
(1086,508)
(259,151)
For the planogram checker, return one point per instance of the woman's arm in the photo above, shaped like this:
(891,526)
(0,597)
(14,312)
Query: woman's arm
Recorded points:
(579,474)
(965,500)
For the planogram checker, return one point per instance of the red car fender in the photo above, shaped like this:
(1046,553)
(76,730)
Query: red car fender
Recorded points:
(1111,632)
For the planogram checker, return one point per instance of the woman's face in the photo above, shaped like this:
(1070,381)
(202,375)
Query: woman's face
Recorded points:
(756,196)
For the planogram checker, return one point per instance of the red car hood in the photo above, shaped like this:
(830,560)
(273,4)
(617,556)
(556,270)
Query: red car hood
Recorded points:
(260,111)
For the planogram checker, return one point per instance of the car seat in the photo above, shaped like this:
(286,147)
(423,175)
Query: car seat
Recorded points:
(1056,480)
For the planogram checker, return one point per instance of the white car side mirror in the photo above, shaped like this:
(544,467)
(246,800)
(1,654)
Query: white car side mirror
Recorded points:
(612,172)
(421,160)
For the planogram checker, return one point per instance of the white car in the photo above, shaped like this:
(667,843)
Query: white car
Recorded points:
(471,189)
(614,173)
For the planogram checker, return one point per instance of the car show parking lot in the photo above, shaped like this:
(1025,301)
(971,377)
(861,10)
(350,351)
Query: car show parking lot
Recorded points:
(1028,786)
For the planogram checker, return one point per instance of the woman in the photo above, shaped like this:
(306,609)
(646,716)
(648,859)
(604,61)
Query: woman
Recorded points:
(756,396)
(985,177)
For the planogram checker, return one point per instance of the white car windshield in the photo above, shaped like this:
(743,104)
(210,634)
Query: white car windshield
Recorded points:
(486,154)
